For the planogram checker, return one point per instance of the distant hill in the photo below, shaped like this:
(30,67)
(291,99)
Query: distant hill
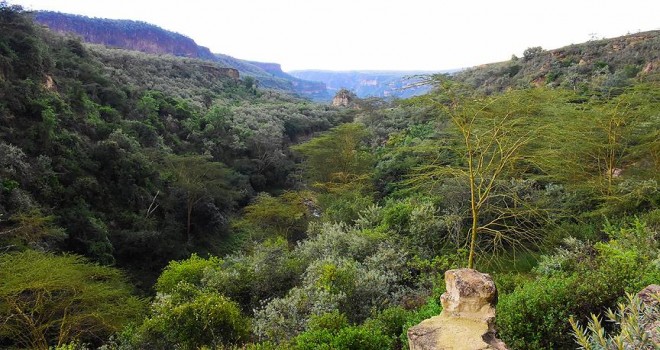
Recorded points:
(148,38)
(369,83)
(607,63)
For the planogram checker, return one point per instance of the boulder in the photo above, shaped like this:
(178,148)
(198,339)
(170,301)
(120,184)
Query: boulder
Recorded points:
(467,319)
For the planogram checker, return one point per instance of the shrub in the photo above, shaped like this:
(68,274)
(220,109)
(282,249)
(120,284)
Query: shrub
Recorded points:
(533,316)
(189,319)
(331,331)
(582,280)
(188,271)
(632,319)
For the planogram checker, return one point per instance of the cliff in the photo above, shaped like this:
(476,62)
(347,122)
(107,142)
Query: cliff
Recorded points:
(125,34)
(148,38)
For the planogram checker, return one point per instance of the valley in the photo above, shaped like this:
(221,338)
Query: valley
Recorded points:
(156,195)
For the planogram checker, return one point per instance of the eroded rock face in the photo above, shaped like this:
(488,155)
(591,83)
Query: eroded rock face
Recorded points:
(343,98)
(467,319)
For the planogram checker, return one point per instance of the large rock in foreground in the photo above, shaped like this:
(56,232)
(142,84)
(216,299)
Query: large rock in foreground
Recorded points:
(467,318)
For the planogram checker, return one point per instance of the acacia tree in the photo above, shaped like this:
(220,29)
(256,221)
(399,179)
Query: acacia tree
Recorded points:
(489,138)
(614,136)
(199,178)
(340,168)
(48,300)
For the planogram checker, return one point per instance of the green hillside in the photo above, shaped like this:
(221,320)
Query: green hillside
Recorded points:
(608,63)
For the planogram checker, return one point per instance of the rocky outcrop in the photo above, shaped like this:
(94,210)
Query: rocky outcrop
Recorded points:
(467,318)
(343,98)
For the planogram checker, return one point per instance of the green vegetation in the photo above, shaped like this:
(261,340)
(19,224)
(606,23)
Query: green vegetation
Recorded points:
(53,300)
(633,318)
(598,66)
(245,218)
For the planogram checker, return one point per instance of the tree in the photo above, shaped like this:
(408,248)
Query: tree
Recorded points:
(199,178)
(340,167)
(186,314)
(488,137)
(337,156)
(50,300)
(618,142)
(30,228)
(192,319)
(532,52)
(286,215)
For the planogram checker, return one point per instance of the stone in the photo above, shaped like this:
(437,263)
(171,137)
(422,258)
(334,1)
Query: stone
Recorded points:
(343,98)
(467,319)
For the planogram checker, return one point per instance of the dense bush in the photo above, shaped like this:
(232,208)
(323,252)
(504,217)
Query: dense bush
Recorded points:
(331,331)
(586,279)
(189,319)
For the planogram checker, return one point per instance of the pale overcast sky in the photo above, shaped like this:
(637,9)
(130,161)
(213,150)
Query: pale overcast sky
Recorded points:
(376,34)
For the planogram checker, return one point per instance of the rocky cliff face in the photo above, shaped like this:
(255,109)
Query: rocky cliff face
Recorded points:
(467,318)
(131,35)
(314,89)
(144,37)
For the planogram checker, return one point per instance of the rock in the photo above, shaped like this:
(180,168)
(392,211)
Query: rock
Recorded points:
(467,319)
(343,98)
(650,67)
(49,84)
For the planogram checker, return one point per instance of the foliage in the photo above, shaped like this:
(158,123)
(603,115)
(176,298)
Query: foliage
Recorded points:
(189,319)
(489,140)
(632,319)
(337,158)
(267,272)
(534,315)
(190,271)
(614,134)
(341,240)
(53,300)
(598,66)
(31,228)
(331,331)
(140,159)
(198,178)
(286,215)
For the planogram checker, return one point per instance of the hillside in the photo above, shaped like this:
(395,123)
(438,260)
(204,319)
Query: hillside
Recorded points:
(148,38)
(608,63)
(89,133)
(384,84)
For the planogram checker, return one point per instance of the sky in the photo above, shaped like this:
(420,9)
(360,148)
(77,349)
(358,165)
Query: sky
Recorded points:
(425,35)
